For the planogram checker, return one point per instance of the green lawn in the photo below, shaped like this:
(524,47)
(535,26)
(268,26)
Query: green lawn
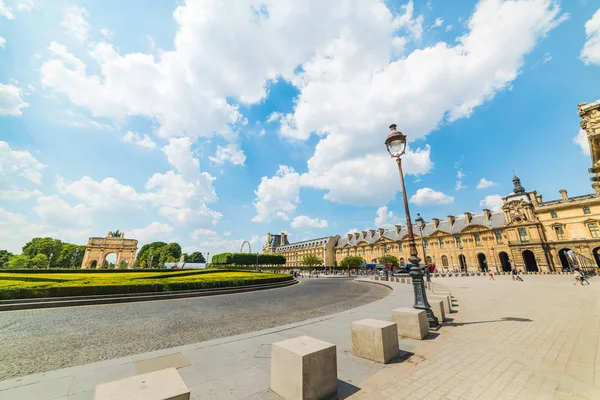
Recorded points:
(30,285)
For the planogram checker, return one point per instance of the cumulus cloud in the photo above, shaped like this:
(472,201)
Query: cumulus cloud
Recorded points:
(277,196)
(54,210)
(302,221)
(590,54)
(459,180)
(11,102)
(18,163)
(197,234)
(229,154)
(74,22)
(138,140)
(484,183)
(385,218)
(492,202)
(428,196)
(155,231)
(581,140)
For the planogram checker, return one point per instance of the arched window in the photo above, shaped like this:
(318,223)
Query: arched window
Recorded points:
(444,261)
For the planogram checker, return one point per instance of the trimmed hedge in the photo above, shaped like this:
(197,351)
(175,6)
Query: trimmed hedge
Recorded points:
(28,293)
(85,271)
(247,259)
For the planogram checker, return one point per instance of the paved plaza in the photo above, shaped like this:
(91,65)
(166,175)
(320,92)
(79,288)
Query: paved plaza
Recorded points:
(537,339)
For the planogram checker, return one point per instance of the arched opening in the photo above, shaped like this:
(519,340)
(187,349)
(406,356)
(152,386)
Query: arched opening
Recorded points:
(529,260)
(565,261)
(94,264)
(504,261)
(463,262)
(444,261)
(482,262)
(109,261)
(596,254)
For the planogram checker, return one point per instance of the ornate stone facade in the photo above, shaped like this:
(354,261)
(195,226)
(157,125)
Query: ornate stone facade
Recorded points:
(527,233)
(99,248)
(295,252)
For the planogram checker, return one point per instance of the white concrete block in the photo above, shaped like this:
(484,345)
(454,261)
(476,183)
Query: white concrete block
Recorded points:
(411,322)
(375,340)
(165,384)
(304,368)
(437,306)
(445,299)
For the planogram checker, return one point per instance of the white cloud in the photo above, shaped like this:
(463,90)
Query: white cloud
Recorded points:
(108,195)
(484,183)
(302,221)
(11,101)
(449,28)
(106,33)
(138,140)
(197,216)
(197,234)
(5,11)
(2,42)
(218,244)
(438,22)
(18,194)
(590,54)
(18,163)
(385,218)
(459,180)
(582,141)
(428,196)
(275,116)
(277,195)
(492,202)
(230,153)
(351,231)
(74,22)
(54,210)
(151,233)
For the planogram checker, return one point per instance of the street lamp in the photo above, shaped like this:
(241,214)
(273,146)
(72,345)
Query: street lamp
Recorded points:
(419,222)
(396,146)
(49,259)
(151,255)
(74,257)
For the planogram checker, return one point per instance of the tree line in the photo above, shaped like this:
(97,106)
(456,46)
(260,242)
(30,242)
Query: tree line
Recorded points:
(247,259)
(47,252)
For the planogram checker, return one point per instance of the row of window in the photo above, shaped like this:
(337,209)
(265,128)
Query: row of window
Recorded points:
(586,210)
(593,227)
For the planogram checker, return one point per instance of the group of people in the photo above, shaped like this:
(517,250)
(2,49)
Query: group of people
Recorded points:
(579,276)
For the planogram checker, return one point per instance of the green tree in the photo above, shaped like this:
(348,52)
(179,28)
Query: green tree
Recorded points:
(19,262)
(43,245)
(5,256)
(170,253)
(389,259)
(351,262)
(149,254)
(195,257)
(38,261)
(310,260)
(71,255)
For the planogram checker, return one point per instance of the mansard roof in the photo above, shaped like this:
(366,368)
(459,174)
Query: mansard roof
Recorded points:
(276,240)
(460,223)
(303,244)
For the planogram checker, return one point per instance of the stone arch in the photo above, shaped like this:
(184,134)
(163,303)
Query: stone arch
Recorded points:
(529,261)
(563,256)
(94,264)
(444,261)
(463,262)
(596,254)
(110,260)
(99,247)
(482,262)
(504,261)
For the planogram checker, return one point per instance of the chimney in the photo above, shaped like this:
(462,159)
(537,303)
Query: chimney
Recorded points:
(283,237)
(468,216)
(349,236)
(563,193)
(372,232)
(356,235)
(451,219)
(364,234)
(436,222)
(539,198)
(398,228)
(487,214)
(268,238)
(381,230)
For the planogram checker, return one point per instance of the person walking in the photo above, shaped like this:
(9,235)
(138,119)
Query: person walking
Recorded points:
(516,276)
(492,276)
(577,277)
(583,278)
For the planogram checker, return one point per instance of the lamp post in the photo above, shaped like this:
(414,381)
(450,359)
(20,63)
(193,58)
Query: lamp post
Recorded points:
(419,222)
(151,255)
(75,255)
(49,260)
(396,146)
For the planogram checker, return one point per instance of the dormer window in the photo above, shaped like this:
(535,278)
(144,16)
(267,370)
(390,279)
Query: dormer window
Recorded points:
(586,210)
(553,214)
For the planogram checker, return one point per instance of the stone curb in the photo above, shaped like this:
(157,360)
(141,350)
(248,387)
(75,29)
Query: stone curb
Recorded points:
(110,299)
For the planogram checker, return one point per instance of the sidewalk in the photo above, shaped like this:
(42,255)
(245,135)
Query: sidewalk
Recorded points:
(537,339)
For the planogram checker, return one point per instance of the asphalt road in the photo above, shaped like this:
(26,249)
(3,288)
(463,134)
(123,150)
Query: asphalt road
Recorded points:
(41,340)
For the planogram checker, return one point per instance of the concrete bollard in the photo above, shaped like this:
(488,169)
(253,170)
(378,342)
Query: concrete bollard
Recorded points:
(445,299)
(437,306)
(304,368)
(375,340)
(411,322)
(165,384)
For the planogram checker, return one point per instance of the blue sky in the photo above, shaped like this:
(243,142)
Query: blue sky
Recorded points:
(214,122)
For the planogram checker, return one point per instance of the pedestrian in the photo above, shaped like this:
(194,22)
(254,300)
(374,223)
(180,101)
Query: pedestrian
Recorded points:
(577,277)
(492,275)
(514,274)
(582,278)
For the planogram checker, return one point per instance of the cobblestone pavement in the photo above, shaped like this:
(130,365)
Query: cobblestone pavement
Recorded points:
(537,339)
(42,340)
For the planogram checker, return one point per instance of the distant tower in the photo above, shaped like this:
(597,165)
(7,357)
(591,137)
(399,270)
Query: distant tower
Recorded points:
(590,123)
(518,188)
